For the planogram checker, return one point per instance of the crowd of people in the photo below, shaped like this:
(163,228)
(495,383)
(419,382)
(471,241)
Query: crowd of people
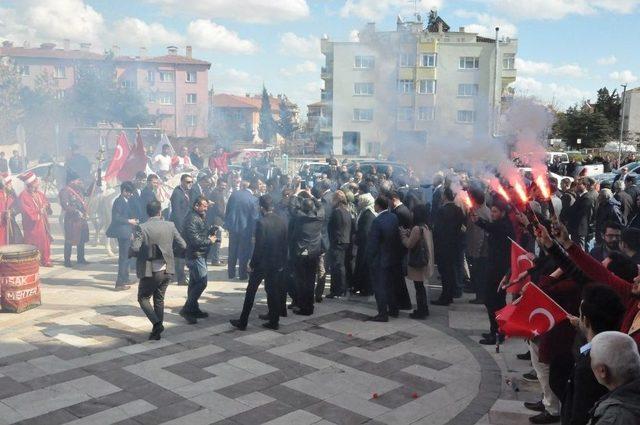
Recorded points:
(370,232)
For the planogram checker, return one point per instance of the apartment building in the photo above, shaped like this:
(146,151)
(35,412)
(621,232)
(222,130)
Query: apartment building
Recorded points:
(174,86)
(418,84)
(631,115)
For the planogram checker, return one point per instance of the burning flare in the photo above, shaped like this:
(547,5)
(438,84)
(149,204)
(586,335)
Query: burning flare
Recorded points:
(498,188)
(522,194)
(464,196)
(543,186)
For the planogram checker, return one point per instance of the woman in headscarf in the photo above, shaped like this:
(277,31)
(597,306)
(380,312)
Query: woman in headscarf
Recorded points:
(366,214)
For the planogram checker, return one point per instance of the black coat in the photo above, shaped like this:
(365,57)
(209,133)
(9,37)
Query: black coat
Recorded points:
(147,195)
(405,218)
(196,234)
(180,207)
(363,226)
(499,247)
(582,392)
(327,204)
(339,227)
(270,251)
(627,205)
(384,247)
(121,213)
(580,215)
(306,233)
(447,231)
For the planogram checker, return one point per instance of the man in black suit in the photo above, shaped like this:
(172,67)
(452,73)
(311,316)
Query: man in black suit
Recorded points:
(240,219)
(633,191)
(149,194)
(326,199)
(627,202)
(405,219)
(180,207)
(123,219)
(267,263)
(385,255)
(580,215)
(215,216)
(153,245)
(339,231)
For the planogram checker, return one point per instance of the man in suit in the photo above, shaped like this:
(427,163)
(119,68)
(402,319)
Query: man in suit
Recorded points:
(383,250)
(199,239)
(180,207)
(122,221)
(580,215)
(16,163)
(267,263)
(405,219)
(326,199)
(240,221)
(215,216)
(4,164)
(149,194)
(153,245)
(625,200)
(339,231)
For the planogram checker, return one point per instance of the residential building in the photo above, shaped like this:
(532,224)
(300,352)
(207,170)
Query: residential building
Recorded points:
(417,84)
(631,115)
(174,86)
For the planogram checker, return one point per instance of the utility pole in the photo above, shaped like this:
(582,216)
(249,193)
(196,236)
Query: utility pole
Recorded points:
(624,90)
(496,94)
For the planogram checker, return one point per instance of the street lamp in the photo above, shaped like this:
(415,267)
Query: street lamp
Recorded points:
(624,90)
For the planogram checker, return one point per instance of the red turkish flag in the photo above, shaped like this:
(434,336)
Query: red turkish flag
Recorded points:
(119,157)
(136,161)
(531,315)
(520,262)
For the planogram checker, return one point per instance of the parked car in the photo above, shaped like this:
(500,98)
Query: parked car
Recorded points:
(633,169)
(380,166)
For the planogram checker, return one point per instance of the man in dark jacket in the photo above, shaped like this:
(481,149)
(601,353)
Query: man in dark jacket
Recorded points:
(581,214)
(500,232)
(625,200)
(307,220)
(326,199)
(122,221)
(611,237)
(615,362)
(199,239)
(385,256)
(180,207)
(215,216)
(632,190)
(339,230)
(267,263)
(149,193)
(405,219)
(153,245)
(240,219)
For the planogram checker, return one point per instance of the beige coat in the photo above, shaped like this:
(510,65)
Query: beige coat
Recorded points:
(422,274)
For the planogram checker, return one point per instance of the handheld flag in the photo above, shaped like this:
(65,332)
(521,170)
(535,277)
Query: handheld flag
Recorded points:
(136,161)
(531,315)
(119,157)
(520,262)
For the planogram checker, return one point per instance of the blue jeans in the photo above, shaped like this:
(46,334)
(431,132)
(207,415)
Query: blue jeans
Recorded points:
(123,261)
(198,274)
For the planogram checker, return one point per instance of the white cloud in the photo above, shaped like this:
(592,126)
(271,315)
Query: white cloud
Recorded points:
(623,77)
(133,32)
(557,94)
(206,34)
(609,60)
(300,46)
(373,10)
(306,67)
(532,68)
(485,24)
(255,11)
(354,36)
(558,9)
(235,81)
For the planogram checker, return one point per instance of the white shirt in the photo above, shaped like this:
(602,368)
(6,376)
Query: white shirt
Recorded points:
(183,163)
(162,162)
(158,265)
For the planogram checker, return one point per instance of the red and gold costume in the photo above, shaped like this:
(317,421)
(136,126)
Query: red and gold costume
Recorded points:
(35,210)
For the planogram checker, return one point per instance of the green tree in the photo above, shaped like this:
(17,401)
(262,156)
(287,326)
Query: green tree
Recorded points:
(287,126)
(609,105)
(267,127)
(11,110)
(575,123)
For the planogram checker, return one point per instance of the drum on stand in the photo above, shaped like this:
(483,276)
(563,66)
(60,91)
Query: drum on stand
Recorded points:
(19,278)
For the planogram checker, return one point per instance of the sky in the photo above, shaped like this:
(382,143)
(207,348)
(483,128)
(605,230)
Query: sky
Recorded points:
(567,49)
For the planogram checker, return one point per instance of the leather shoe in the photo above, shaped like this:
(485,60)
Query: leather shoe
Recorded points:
(301,312)
(332,296)
(83,262)
(441,302)
(535,406)
(319,299)
(378,318)
(190,318)
(270,325)
(292,306)
(544,418)
(476,301)
(530,376)
(488,335)
(238,324)
(200,314)
(122,287)
(524,356)
(68,264)
(394,314)
(492,340)
(263,316)
(418,315)
(158,328)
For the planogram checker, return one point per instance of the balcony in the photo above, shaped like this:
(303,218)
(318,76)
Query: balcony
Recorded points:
(326,95)
(326,73)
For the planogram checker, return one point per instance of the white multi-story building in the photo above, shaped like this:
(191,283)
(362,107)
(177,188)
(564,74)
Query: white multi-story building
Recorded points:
(631,115)
(418,84)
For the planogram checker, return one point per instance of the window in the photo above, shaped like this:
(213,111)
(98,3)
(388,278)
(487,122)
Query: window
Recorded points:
(405,114)
(363,114)
(166,76)
(467,90)
(127,84)
(469,62)
(23,70)
(426,113)
(429,60)
(407,59)
(59,72)
(151,76)
(364,62)
(165,98)
(151,97)
(192,77)
(406,86)
(509,61)
(59,94)
(427,86)
(466,116)
(363,89)
(191,98)
(192,120)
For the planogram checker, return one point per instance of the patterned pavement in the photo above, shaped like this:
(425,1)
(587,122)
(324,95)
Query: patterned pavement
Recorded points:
(83,358)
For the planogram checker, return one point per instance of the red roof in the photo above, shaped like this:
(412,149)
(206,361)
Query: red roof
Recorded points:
(251,102)
(172,59)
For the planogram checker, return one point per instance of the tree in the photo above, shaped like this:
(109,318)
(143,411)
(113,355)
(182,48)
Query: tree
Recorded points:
(11,110)
(267,127)
(287,126)
(592,128)
(609,104)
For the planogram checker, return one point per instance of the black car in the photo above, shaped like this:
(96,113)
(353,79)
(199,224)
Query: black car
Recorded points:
(381,167)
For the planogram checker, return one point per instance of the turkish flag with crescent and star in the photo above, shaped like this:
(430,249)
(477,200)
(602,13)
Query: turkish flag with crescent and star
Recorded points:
(520,262)
(531,315)
(119,157)
(136,161)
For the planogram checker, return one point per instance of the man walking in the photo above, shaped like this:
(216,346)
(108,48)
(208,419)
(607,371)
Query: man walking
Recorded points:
(153,244)
(180,207)
(267,263)
(76,227)
(339,230)
(199,239)
(239,221)
(122,221)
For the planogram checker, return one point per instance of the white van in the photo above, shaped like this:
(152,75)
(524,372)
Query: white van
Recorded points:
(551,157)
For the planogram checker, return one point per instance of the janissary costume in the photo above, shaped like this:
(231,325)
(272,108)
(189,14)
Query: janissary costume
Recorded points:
(9,231)
(76,227)
(36,210)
